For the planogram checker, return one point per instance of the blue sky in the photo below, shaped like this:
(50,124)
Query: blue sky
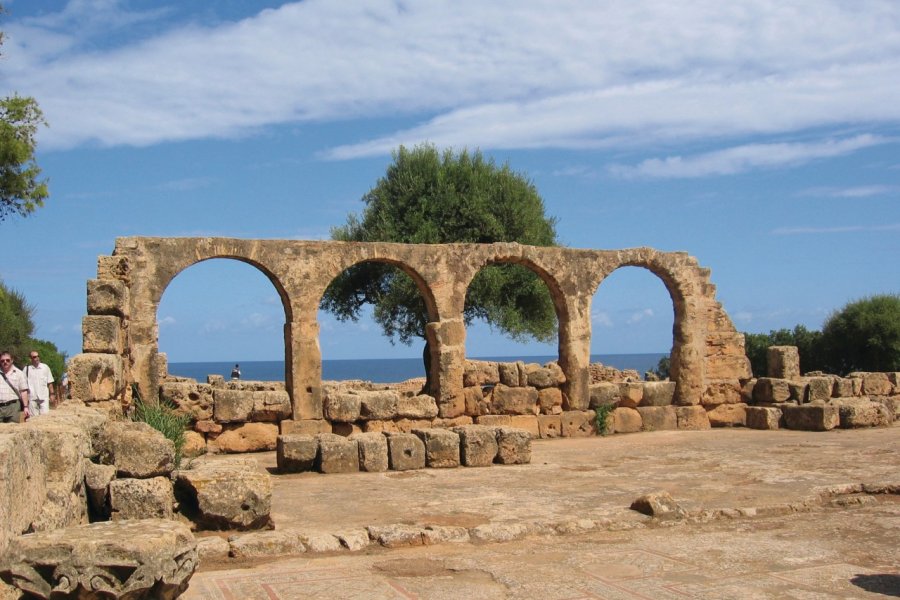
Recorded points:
(762,137)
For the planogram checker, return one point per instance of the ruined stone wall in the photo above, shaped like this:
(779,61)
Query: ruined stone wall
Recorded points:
(121,333)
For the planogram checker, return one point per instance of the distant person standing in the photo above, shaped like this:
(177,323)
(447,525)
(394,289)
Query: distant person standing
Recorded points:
(40,384)
(236,371)
(13,391)
(62,390)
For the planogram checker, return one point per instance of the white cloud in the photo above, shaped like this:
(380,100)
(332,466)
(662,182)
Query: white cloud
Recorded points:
(862,191)
(601,318)
(257,321)
(505,74)
(836,229)
(166,321)
(744,158)
(639,316)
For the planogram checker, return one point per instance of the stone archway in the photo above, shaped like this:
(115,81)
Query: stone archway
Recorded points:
(120,328)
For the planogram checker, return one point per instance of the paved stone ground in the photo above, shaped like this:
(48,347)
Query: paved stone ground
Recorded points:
(851,550)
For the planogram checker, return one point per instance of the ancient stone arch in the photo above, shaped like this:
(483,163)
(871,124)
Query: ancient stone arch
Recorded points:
(120,330)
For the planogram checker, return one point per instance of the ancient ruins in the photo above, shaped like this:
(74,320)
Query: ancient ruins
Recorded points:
(95,505)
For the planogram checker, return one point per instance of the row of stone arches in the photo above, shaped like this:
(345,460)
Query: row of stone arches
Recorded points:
(255,315)
(139,271)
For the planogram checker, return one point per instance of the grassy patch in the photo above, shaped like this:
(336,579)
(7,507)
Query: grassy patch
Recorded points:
(164,418)
(601,416)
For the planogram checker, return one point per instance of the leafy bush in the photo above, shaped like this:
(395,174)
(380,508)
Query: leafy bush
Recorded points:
(808,344)
(601,415)
(164,418)
(864,336)
(662,367)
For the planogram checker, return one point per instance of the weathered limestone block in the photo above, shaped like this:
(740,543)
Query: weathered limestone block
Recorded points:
(494,420)
(656,393)
(498,532)
(195,399)
(96,377)
(478,445)
(727,415)
(477,403)
(870,414)
(96,481)
(245,437)
(876,384)
(894,377)
(721,393)
(550,400)
(101,334)
(604,393)
(354,539)
(128,560)
(23,484)
(373,452)
(509,374)
(262,544)
(439,534)
(578,423)
(337,454)
(451,423)
(441,447)
(549,426)
(543,377)
(194,444)
(660,505)
(480,372)
(319,542)
(819,389)
(846,387)
(658,418)
(747,390)
(379,426)
(763,417)
(527,423)
(405,451)
(107,297)
(272,405)
(513,446)
(136,449)
(225,493)
(343,407)
(346,429)
(770,390)
(215,380)
(208,427)
(232,406)
(626,420)
(799,392)
(507,400)
(295,453)
(305,426)
(630,394)
(892,403)
(113,267)
(141,498)
(378,404)
(811,417)
(212,549)
(397,536)
(783,362)
(421,406)
(692,418)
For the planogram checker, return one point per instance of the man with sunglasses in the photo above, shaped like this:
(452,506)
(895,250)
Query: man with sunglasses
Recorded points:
(40,384)
(13,390)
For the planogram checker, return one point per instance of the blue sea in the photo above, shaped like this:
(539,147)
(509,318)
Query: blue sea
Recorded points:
(382,370)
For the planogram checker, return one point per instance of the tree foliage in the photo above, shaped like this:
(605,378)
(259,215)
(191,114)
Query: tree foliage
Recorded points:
(16,328)
(432,197)
(21,190)
(864,336)
(808,344)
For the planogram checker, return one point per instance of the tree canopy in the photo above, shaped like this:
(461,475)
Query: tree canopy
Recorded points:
(862,336)
(21,190)
(16,329)
(432,197)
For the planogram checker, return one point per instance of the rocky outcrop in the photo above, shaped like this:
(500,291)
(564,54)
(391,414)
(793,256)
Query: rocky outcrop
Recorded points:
(225,493)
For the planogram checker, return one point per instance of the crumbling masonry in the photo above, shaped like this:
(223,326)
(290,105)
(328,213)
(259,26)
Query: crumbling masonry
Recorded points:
(121,332)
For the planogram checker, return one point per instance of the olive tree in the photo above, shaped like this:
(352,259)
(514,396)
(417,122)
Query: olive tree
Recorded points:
(433,197)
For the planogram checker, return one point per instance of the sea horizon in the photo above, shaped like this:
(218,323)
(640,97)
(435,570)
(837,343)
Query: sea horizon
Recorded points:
(383,370)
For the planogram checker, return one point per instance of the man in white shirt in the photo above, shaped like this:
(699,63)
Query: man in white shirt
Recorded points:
(40,384)
(13,390)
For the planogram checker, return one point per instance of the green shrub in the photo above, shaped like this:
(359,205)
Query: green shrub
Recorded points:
(601,415)
(864,336)
(164,418)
